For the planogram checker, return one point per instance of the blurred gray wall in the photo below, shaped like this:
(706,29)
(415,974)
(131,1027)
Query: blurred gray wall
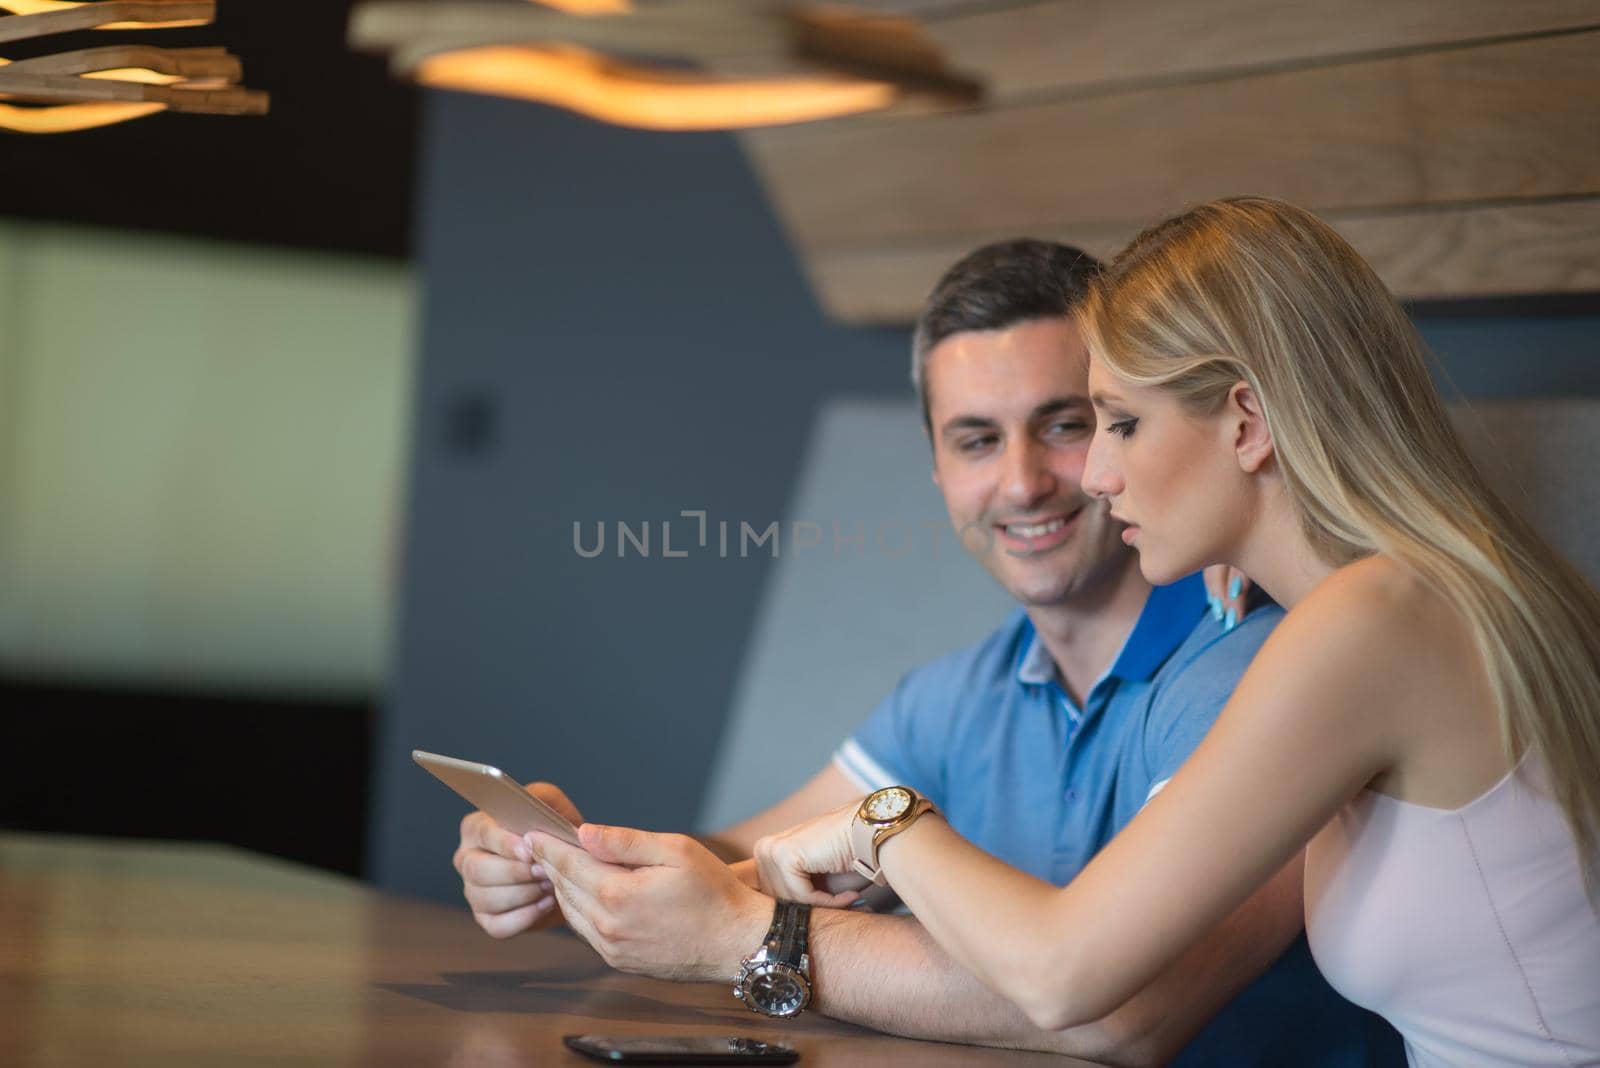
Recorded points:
(615,330)
(888,587)
(1541,455)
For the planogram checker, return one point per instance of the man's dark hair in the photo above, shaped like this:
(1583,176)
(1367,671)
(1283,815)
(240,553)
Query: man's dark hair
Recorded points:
(996,287)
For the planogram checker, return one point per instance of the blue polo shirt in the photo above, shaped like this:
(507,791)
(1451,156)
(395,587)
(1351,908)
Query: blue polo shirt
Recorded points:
(1018,768)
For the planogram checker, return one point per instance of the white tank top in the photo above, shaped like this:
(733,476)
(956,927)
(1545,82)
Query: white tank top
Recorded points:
(1467,929)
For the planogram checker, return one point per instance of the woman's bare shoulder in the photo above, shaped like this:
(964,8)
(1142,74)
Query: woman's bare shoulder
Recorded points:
(1407,663)
(1378,589)
(1335,669)
(1381,613)
(1364,643)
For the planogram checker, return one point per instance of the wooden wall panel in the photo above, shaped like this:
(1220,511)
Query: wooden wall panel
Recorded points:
(1479,251)
(887,283)
(1506,250)
(1502,121)
(1094,45)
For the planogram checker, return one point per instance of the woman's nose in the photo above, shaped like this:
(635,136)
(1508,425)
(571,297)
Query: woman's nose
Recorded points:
(1099,480)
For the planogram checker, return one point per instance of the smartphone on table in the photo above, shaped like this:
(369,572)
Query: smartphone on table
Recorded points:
(681,1049)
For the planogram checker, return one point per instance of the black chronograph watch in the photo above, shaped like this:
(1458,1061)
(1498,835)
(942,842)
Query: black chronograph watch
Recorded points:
(775,980)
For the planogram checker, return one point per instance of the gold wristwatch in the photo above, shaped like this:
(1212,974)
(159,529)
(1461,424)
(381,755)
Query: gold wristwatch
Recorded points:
(882,815)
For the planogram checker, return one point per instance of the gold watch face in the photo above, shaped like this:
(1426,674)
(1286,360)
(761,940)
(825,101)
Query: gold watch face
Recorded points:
(886,805)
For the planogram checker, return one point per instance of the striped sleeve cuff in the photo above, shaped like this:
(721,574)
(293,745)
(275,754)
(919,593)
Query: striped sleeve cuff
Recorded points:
(1155,788)
(861,769)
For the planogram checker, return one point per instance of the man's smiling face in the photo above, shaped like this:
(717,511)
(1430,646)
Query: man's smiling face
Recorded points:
(1011,423)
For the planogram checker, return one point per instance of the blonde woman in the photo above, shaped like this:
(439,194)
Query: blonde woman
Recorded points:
(1426,717)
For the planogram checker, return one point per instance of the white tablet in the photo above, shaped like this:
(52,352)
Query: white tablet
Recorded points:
(498,794)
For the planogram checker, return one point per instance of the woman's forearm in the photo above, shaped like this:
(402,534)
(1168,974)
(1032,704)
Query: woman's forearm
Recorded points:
(1014,949)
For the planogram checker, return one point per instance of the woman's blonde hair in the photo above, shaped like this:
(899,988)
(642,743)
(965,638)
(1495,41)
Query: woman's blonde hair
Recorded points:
(1257,290)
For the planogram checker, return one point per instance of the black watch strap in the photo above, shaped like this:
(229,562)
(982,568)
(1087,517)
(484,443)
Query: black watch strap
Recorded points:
(786,938)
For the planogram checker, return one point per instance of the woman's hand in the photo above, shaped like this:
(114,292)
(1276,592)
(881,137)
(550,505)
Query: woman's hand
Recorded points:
(790,861)
(1227,589)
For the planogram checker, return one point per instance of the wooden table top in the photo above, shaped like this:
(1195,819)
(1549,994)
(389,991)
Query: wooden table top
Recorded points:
(123,953)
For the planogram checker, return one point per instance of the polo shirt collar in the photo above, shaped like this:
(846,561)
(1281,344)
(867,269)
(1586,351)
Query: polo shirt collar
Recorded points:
(1168,617)
(1036,668)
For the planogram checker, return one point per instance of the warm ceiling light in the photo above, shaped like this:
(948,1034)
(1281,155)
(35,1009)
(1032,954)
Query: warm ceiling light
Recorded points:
(731,63)
(69,118)
(101,13)
(66,118)
(127,74)
(588,7)
(92,87)
(646,97)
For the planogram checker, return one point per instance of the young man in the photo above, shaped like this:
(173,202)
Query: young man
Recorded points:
(1038,744)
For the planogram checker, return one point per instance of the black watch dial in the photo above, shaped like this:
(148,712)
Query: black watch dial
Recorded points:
(777,990)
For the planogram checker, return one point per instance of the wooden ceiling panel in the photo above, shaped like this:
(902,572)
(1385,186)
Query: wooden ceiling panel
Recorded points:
(1457,145)
(1498,121)
(1064,46)
(1484,251)
(1478,251)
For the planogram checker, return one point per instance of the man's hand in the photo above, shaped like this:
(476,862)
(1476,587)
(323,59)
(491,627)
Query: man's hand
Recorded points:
(509,892)
(655,904)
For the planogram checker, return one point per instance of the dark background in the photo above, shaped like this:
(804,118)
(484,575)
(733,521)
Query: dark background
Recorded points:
(330,167)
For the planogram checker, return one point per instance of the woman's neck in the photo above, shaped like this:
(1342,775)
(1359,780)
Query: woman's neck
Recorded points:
(1277,555)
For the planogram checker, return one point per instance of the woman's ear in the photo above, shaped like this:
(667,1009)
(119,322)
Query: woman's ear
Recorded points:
(1252,440)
